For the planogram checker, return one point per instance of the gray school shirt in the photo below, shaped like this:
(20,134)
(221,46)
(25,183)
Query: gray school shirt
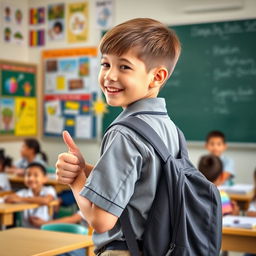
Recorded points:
(128,170)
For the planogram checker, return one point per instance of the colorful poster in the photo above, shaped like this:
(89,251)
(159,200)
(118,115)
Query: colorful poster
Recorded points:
(56,26)
(37,37)
(77,22)
(13,29)
(104,14)
(6,116)
(37,29)
(37,16)
(70,91)
(26,116)
(18,102)
(17,80)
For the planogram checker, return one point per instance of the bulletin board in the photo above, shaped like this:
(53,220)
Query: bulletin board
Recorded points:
(70,90)
(18,99)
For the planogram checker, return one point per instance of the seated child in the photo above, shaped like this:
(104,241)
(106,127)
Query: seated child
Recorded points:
(252,208)
(30,152)
(211,167)
(35,178)
(4,162)
(216,145)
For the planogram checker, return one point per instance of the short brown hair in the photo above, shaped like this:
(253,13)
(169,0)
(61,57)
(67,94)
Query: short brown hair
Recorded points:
(211,167)
(214,134)
(155,43)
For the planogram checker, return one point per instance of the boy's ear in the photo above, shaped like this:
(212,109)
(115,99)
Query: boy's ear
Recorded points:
(160,76)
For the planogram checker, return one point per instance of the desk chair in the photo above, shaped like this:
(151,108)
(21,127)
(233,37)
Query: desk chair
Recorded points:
(66,227)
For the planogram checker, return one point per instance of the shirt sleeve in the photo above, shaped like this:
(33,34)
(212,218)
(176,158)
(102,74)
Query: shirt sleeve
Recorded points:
(112,181)
(252,207)
(49,190)
(22,193)
(228,166)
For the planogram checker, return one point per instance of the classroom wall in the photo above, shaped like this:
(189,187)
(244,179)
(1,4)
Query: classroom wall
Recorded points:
(12,51)
(170,12)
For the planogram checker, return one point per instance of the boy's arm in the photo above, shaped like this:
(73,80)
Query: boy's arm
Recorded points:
(99,219)
(71,169)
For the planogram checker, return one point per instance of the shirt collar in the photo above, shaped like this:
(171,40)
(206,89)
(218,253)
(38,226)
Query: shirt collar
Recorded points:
(148,104)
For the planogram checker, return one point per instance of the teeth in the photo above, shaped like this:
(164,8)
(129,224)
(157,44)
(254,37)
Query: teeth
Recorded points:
(113,90)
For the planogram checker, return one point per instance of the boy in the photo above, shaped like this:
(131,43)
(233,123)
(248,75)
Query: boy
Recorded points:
(35,178)
(211,167)
(138,56)
(216,145)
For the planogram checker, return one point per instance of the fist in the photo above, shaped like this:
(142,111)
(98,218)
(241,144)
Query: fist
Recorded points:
(70,164)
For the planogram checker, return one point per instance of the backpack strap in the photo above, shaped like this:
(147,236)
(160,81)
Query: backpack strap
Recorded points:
(150,135)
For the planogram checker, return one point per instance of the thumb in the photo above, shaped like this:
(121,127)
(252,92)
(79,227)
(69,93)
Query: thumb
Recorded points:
(72,147)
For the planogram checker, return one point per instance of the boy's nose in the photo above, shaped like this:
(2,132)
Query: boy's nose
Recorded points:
(111,75)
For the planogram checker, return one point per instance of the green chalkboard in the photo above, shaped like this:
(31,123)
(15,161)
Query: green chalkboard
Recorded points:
(214,83)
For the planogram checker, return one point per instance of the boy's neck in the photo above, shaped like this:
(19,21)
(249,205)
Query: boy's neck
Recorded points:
(36,192)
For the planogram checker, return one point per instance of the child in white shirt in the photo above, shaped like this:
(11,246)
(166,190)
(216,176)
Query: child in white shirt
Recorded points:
(4,162)
(35,178)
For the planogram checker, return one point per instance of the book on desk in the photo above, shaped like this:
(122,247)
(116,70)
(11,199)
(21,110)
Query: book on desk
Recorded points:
(239,222)
(241,189)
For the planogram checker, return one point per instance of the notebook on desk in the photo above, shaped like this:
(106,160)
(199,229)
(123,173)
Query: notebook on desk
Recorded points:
(239,222)
(238,189)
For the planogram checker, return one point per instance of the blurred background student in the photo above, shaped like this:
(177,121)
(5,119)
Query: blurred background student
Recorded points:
(30,152)
(252,208)
(216,145)
(5,162)
(212,168)
(34,179)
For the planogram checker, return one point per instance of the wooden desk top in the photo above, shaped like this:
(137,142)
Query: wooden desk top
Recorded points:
(20,179)
(11,208)
(242,197)
(24,241)
(239,231)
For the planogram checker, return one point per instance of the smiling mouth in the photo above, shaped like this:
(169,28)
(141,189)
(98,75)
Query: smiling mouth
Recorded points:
(113,90)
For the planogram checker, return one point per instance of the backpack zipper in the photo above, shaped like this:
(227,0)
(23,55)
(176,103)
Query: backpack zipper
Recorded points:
(172,246)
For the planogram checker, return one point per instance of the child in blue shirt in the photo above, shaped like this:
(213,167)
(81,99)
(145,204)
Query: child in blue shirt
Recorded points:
(138,56)
(216,145)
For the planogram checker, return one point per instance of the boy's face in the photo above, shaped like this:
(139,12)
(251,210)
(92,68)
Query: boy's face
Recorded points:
(34,178)
(216,146)
(124,79)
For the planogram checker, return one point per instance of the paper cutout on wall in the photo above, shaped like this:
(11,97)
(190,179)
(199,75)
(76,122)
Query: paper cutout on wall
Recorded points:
(25,109)
(37,37)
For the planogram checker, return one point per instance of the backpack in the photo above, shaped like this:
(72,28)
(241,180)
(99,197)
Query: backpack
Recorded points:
(186,215)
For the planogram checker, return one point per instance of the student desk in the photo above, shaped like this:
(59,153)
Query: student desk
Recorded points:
(18,182)
(7,211)
(25,241)
(243,200)
(239,240)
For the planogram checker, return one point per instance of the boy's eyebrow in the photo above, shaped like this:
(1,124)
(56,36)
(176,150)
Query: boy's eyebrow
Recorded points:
(120,59)
(124,59)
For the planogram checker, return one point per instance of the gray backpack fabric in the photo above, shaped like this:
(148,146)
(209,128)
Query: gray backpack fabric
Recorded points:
(186,216)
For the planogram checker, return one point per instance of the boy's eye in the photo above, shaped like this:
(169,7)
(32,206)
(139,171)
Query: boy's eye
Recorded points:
(105,65)
(124,67)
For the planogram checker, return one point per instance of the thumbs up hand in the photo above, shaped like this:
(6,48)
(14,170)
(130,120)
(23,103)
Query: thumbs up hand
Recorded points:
(69,165)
